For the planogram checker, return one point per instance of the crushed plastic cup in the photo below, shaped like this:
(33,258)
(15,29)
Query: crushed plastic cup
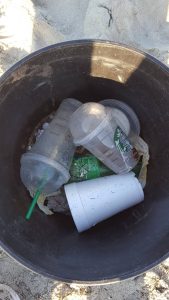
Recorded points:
(95,200)
(49,160)
(125,117)
(99,133)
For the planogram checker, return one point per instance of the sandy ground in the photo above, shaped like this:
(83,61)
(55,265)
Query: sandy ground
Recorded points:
(154,285)
(26,26)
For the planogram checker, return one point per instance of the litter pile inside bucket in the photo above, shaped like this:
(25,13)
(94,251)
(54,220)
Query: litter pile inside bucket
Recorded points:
(87,160)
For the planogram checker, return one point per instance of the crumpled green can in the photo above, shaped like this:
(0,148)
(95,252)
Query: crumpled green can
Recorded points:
(89,167)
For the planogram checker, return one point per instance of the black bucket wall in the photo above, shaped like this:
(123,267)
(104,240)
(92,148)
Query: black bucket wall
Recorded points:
(126,244)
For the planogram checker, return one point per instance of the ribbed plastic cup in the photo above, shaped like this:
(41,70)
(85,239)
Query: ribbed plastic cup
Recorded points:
(99,133)
(51,156)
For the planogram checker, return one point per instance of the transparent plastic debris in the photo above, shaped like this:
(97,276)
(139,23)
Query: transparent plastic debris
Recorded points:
(56,203)
(42,206)
(143,150)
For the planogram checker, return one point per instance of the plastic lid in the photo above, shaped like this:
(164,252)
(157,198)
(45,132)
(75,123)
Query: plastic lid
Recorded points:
(72,101)
(48,161)
(87,121)
(128,111)
(121,120)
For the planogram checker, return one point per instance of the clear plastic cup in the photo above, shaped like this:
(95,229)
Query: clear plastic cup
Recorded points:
(98,132)
(125,117)
(46,165)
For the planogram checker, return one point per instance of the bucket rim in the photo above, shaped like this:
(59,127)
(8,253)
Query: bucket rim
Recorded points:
(40,271)
(79,42)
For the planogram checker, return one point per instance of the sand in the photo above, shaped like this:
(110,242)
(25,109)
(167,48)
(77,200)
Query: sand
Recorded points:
(154,285)
(26,26)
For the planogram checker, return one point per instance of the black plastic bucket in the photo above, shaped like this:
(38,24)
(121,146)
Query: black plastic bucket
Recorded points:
(126,244)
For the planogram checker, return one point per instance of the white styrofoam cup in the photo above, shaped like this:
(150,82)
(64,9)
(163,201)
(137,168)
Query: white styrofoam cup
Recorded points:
(95,200)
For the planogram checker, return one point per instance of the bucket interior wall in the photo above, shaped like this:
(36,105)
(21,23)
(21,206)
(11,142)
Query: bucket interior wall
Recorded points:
(126,244)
